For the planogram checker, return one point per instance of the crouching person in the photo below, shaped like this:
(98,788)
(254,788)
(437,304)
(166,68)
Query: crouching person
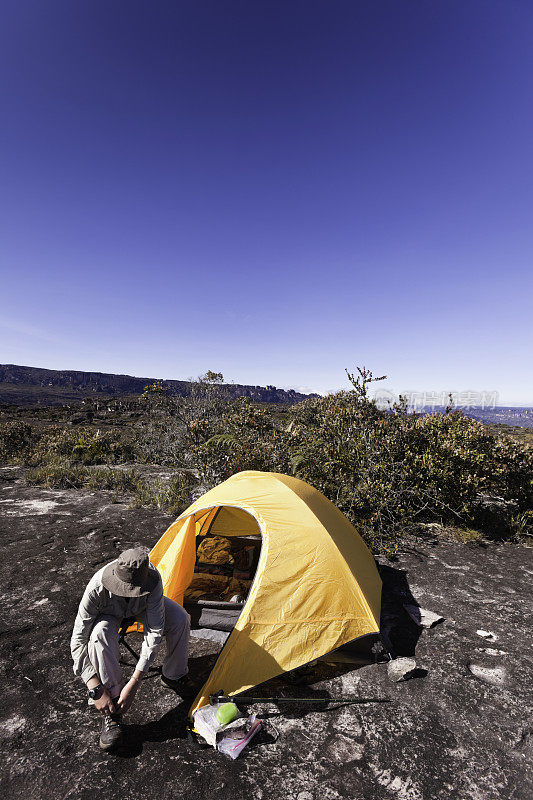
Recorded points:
(129,588)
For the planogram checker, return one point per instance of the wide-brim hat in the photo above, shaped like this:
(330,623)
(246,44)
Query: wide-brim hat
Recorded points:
(130,575)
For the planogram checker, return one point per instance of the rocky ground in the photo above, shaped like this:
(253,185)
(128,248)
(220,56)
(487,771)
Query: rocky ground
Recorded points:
(459,728)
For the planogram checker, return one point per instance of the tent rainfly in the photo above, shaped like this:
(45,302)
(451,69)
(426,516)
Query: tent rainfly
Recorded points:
(316,586)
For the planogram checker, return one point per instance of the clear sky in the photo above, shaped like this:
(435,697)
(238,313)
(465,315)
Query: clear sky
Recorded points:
(270,188)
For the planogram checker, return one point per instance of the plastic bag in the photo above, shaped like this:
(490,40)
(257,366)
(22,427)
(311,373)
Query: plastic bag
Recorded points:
(208,726)
(232,746)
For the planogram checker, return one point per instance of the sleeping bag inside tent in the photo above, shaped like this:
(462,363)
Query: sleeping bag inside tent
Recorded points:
(286,572)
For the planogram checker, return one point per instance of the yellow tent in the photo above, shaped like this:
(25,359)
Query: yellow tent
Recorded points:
(316,586)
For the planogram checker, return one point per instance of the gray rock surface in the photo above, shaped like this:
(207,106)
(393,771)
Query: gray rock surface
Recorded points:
(445,734)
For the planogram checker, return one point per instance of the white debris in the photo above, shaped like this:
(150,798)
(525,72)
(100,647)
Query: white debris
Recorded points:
(487,635)
(400,668)
(39,603)
(492,675)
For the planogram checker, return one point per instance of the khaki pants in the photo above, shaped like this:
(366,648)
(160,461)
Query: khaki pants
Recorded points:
(104,648)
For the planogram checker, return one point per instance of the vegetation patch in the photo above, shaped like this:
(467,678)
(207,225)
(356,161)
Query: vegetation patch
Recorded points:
(65,475)
(387,470)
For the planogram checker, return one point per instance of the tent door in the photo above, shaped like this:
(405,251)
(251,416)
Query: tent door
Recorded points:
(223,575)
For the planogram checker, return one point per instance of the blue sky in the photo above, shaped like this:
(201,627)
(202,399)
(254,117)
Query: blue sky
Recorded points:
(274,190)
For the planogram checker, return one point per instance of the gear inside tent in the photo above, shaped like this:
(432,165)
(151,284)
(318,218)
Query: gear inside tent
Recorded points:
(269,559)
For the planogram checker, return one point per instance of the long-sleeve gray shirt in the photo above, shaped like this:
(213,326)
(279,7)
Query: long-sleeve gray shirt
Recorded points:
(98,600)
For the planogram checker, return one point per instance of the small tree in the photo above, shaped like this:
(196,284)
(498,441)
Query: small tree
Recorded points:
(361,382)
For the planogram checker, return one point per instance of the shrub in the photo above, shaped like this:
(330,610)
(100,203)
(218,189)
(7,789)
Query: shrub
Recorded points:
(173,496)
(385,470)
(176,427)
(58,475)
(15,440)
(82,446)
(249,437)
(65,475)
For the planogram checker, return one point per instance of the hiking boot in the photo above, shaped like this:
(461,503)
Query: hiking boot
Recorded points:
(111,734)
(184,686)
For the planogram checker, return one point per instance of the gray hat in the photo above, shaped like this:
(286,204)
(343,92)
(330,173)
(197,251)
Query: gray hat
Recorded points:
(130,575)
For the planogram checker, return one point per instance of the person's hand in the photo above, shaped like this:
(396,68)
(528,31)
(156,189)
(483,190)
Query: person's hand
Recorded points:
(105,704)
(127,696)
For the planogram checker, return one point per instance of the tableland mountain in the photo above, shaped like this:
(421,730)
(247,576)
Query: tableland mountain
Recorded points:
(21,385)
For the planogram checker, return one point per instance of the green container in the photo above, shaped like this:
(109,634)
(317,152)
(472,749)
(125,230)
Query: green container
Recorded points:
(226,713)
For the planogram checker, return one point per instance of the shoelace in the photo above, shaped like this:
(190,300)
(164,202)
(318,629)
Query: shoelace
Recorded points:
(110,723)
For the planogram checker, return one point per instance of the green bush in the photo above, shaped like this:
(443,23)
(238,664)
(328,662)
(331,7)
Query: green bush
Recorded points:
(249,437)
(65,475)
(385,470)
(58,475)
(172,496)
(175,428)
(15,441)
(82,446)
